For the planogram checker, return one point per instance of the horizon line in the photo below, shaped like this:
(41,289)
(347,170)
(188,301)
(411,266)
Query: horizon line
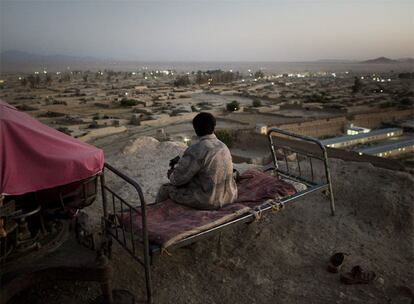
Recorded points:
(206,61)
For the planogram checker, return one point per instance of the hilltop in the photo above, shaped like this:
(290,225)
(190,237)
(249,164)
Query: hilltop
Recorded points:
(282,258)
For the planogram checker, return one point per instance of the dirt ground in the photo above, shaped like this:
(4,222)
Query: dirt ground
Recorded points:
(279,259)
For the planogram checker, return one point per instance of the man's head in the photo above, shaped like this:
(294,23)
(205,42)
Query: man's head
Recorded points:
(204,124)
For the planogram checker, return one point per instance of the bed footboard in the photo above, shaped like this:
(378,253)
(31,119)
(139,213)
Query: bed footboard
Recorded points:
(301,158)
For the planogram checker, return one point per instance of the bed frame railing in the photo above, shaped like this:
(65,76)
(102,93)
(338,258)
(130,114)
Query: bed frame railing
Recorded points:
(114,204)
(295,169)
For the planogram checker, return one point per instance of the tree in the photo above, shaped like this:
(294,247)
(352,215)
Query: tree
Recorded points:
(34,81)
(256,103)
(66,77)
(258,74)
(48,79)
(233,106)
(128,102)
(225,136)
(357,85)
(183,80)
(23,81)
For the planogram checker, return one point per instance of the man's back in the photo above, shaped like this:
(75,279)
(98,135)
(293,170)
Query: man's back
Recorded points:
(204,175)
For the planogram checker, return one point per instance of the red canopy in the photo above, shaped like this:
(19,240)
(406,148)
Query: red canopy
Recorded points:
(35,157)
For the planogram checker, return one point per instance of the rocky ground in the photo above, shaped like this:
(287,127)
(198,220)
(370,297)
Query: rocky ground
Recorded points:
(283,257)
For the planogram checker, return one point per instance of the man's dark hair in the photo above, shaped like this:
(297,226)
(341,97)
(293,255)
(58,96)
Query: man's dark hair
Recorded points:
(204,124)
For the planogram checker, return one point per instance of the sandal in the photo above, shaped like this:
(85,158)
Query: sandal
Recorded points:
(335,262)
(357,276)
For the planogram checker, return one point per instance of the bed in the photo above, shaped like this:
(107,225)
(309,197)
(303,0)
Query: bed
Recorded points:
(146,230)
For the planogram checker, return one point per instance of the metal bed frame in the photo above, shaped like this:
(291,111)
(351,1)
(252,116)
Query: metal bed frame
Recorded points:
(139,247)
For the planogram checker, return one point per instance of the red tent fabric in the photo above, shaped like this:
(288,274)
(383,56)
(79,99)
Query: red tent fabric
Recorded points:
(34,156)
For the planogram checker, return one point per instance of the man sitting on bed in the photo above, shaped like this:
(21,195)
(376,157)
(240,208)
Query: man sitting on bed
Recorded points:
(203,177)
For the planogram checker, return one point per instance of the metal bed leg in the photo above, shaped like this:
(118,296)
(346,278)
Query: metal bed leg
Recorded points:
(328,178)
(147,259)
(107,293)
(148,282)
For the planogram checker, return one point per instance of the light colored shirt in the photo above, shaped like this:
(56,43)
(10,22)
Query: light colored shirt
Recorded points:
(203,178)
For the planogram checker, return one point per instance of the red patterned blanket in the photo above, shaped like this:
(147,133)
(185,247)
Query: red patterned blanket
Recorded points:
(169,222)
(254,187)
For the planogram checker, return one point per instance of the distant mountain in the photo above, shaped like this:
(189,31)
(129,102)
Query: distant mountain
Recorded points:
(14,56)
(406,60)
(23,61)
(380,60)
(335,61)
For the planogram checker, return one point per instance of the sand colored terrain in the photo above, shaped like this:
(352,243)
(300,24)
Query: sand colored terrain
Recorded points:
(283,257)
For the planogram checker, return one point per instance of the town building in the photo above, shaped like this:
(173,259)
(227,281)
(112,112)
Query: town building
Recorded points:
(361,138)
(391,148)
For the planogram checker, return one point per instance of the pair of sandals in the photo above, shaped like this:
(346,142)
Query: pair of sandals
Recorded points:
(356,276)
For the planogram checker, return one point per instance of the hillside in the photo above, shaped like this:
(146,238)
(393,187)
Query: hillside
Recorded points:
(282,258)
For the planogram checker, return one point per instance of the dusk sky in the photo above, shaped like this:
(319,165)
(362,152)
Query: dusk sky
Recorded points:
(211,30)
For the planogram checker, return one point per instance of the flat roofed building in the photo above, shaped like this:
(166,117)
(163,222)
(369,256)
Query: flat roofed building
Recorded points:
(352,140)
(261,128)
(392,148)
(353,130)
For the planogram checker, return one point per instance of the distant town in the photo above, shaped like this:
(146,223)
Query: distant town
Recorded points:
(366,112)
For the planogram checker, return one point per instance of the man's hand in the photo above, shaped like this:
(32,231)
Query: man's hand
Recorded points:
(169,172)
(173,162)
